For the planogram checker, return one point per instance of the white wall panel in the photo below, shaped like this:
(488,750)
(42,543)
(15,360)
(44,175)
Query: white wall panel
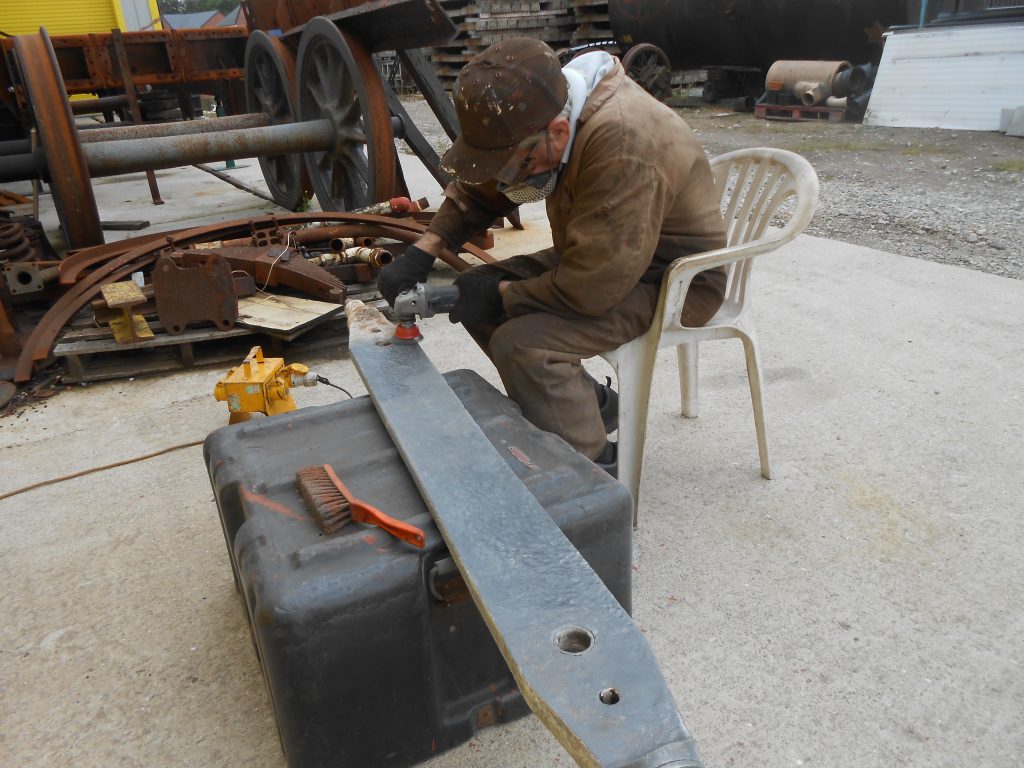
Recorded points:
(949,77)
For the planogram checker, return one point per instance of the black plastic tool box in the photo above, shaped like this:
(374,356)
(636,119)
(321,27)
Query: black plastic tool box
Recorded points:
(373,651)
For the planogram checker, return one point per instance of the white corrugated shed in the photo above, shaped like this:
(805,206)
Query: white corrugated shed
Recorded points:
(949,77)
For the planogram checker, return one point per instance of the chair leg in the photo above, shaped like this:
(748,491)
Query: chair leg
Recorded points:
(634,372)
(753,356)
(688,355)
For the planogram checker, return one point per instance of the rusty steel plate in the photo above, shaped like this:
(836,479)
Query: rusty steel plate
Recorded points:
(580,662)
(69,176)
(197,290)
(338,81)
(270,90)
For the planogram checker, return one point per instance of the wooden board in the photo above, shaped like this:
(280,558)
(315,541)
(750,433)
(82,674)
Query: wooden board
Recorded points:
(283,314)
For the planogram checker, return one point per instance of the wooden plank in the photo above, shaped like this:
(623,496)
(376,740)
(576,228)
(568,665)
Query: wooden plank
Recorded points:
(287,314)
(92,346)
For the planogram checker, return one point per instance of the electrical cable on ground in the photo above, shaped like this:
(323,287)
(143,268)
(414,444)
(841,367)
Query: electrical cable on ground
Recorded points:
(322,380)
(84,472)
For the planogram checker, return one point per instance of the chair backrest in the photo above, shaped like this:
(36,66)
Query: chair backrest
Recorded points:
(756,187)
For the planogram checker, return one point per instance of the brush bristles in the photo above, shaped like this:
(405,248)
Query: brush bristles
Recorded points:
(330,508)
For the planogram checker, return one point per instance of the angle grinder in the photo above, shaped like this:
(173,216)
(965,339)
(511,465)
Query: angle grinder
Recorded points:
(423,300)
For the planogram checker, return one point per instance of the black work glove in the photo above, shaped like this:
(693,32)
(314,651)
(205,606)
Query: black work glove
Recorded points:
(479,299)
(403,273)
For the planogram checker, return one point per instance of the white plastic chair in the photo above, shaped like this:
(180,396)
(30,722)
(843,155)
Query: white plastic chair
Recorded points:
(753,184)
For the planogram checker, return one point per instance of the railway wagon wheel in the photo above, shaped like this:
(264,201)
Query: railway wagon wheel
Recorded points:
(270,89)
(51,111)
(338,81)
(649,67)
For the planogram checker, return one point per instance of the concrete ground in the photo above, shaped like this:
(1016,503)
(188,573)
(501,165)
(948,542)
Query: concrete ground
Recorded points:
(863,608)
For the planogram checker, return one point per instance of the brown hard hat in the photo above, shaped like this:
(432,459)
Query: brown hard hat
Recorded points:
(504,95)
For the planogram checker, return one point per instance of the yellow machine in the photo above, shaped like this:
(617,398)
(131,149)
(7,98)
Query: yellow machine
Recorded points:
(262,385)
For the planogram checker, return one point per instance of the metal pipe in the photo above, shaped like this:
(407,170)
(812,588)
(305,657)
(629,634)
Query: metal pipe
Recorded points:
(326,233)
(375,257)
(86,106)
(30,165)
(810,93)
(116,157)
(183,128)
(924,12)
(15,147)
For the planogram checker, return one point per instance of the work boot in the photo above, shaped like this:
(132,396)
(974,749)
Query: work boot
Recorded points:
(608,402)
(608,460)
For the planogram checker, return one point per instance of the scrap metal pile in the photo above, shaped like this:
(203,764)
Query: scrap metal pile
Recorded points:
(321,121)
(210,275)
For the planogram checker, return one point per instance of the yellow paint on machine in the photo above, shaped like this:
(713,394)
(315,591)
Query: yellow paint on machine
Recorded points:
(66,17)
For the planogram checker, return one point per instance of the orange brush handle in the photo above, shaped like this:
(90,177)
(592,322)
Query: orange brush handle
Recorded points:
(364,513)
(370,515)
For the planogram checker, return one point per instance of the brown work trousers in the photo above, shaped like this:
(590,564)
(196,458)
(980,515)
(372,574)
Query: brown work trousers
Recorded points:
(539,356)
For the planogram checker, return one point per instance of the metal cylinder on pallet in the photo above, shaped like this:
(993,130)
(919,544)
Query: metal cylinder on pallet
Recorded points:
(836,78)
(697,33)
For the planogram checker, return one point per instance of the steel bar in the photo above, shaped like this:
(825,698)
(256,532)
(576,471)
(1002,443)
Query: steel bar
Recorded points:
(110,158)
(579,660)
(422,72)
(183,128)
(133,103)
(31,165)
(15,147)
(234,182)
(417,141)
(87,106)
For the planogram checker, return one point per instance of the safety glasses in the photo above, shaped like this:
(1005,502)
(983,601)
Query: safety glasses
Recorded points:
(518,166)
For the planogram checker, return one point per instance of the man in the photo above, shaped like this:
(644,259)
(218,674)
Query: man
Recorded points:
(628,191)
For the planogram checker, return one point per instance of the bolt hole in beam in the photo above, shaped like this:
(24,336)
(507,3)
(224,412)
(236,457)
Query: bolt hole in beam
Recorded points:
(609,696)
(574,640)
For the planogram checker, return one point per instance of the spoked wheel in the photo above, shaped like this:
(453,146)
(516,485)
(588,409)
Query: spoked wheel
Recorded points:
(338,81)
(270,89)
(649,67)
(51,110)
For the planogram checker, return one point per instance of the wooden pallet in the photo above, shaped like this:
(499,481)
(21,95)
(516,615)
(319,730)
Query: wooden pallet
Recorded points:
(91,354)
(798,113)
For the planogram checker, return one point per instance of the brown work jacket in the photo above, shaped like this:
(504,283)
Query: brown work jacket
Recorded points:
(636,194)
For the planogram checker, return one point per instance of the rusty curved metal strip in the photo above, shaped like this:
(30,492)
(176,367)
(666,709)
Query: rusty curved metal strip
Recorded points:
(124,262)
(400,229)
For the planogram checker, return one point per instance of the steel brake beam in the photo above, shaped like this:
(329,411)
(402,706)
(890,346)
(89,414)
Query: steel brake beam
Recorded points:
(580,662)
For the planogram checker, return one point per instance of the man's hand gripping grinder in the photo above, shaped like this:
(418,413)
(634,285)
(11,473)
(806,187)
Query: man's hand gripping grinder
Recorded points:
(423,300)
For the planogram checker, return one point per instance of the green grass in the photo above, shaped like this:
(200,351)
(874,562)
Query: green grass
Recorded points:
(1011,166)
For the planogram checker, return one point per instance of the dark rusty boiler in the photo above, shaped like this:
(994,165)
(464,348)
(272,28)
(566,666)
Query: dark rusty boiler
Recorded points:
(755,33)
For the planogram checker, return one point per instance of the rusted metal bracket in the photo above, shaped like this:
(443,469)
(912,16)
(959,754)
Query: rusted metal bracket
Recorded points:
(276,265)
(580,662)
(200,289)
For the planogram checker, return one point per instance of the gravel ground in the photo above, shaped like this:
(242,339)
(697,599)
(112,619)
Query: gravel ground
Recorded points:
(955,197)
